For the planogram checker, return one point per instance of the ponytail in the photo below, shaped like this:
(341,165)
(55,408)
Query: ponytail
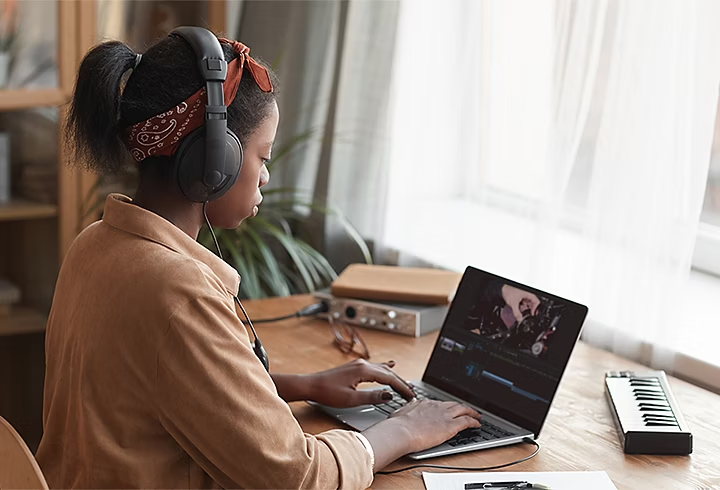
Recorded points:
(92,126)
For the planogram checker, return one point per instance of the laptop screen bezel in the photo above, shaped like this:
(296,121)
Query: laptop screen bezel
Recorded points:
(576,314)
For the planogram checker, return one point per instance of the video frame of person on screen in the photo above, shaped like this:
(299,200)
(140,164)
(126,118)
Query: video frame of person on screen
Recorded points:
(515,318)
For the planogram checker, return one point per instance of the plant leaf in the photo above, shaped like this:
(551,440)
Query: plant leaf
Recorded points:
(321,263)
(289,244)
(346,224)
(253,288)
(269,281)
(295,280)
(309,262)
(274,276)
(282,222)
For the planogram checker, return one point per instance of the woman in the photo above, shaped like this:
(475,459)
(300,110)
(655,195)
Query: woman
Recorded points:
(151,378)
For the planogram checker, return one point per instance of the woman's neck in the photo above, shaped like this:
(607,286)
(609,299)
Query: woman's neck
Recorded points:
(185,215)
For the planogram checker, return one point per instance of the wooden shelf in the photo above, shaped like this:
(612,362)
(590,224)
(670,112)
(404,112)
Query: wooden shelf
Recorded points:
(19,209)
(22,320)
(14,99)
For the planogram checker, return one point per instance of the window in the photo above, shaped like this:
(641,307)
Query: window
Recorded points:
(527,139)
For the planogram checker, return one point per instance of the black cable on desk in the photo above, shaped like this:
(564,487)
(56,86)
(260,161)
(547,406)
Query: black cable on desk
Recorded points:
(466,468)
(310,310)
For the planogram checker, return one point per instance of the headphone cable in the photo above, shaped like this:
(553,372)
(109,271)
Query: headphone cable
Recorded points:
(247,318)
(212,232)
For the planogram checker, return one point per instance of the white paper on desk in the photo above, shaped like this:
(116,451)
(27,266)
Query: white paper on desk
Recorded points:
(557,480)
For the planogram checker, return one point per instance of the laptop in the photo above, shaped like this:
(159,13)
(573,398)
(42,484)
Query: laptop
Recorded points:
(505,364)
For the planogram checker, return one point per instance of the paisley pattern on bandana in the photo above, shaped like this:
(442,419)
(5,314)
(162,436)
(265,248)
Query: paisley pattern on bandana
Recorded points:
(150,137)
(160,134)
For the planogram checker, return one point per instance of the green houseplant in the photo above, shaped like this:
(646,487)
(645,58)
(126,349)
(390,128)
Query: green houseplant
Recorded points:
(274,251)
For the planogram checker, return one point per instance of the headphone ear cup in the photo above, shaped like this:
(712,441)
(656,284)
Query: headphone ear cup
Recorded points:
(190,166)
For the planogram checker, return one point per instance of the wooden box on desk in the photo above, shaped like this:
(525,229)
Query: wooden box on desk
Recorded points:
(398,284)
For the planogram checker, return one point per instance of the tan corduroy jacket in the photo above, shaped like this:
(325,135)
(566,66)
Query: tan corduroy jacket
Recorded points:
(151,379)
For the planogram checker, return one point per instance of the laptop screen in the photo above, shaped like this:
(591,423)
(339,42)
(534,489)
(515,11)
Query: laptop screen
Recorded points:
(504,347)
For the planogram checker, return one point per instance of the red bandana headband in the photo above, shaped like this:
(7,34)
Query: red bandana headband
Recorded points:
(160,134)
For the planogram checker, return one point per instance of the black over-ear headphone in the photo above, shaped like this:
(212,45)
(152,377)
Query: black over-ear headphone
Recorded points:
(208,160)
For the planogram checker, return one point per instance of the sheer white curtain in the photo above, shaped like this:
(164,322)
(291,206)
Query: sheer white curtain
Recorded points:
(358,182)
(561,143)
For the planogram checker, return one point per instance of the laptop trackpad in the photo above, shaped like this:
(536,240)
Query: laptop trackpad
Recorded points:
(363,420)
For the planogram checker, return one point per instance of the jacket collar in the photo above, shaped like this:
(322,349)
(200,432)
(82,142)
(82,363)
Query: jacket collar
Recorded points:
(120,213)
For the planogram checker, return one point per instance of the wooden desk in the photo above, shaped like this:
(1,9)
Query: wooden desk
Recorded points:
(579,434)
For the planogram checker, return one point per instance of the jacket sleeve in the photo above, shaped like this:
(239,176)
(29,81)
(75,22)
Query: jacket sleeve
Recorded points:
(219,404)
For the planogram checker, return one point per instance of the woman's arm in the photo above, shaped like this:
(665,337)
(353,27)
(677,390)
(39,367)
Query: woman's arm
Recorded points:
(337,387)
(292,387)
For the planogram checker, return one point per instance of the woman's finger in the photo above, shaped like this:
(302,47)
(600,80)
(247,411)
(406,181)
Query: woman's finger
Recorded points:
(371,397)
(385,375)
(465,422)
(461,410)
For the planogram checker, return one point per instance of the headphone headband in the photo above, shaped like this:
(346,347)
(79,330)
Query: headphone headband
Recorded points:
(212,65)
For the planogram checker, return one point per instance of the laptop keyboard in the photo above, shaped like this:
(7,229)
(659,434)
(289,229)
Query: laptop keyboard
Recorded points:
(485,432)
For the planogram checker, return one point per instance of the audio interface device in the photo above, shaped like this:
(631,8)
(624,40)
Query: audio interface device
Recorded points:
(403,319)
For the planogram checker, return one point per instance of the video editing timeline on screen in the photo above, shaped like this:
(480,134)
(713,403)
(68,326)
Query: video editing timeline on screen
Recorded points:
(487,366)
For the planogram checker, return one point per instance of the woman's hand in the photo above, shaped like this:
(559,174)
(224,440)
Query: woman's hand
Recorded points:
(433,422)
(416,426)
(337,387)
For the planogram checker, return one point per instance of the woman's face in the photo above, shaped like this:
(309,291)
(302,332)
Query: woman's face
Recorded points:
(244,197)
